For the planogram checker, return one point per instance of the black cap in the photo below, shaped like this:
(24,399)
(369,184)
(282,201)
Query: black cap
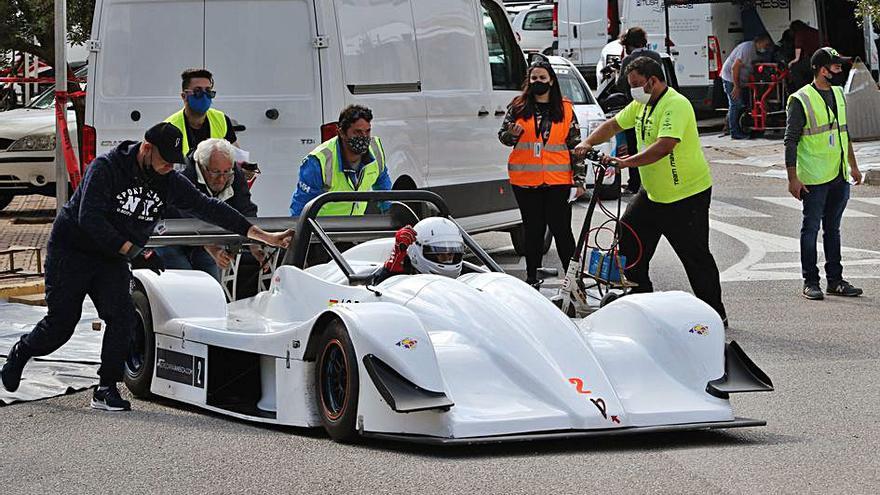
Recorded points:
(169,141)
(825,56)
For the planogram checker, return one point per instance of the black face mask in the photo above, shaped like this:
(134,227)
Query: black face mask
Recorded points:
(149,174)
(836,78)
(538,88)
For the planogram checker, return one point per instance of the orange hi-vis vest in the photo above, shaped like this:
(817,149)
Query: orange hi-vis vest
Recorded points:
(533,162)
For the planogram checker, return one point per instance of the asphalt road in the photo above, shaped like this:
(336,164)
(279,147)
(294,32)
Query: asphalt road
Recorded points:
(823,422)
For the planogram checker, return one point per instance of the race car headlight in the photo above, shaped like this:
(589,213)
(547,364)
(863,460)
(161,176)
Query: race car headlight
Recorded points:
(34,142)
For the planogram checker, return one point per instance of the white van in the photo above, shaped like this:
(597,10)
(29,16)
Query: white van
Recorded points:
(438,76)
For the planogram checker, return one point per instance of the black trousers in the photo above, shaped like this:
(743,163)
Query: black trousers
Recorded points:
(70,276)
(685,224)
(543,207)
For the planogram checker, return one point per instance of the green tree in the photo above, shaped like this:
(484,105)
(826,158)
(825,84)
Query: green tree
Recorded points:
(29,26)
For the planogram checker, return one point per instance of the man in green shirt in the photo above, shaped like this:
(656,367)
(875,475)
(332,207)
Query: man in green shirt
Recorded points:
(676,182)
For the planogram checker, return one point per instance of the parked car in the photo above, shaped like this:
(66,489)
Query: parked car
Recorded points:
(589,115)
(27,147)
(533,28)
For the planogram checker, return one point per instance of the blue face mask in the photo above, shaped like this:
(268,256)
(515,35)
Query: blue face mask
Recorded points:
(200,103)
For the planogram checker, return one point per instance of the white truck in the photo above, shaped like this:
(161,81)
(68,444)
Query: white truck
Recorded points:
(438,76)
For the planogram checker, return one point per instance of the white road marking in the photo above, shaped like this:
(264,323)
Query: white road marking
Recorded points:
(722,209)
(871,201)
(862,263)
(791,202)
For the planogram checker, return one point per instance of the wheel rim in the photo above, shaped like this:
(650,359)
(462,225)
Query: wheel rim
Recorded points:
(138,348)
(334,380)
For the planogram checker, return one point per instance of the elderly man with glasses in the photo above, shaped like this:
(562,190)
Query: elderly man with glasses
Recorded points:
(197,121)
(211,168)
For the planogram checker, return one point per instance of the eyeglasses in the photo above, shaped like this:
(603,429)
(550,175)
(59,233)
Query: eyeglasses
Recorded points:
(211,173)
(199,91)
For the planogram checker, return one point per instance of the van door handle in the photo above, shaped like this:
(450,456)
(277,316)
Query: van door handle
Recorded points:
(500,113)
(483,112)
(574,31)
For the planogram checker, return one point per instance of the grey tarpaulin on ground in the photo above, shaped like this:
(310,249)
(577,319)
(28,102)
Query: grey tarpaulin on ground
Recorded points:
(69,369)
(862,104)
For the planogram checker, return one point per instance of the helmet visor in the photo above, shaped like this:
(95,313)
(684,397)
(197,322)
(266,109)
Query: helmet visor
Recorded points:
(446,253)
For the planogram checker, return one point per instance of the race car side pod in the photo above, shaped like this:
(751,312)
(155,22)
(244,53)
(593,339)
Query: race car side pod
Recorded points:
(741,374)
(401,394)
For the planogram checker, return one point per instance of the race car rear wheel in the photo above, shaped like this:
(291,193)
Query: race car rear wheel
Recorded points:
(336,383)
(141,354)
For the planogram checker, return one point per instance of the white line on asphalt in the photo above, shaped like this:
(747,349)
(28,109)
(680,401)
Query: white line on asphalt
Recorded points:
(722,209)
(863,263)
(790,202)
(871,201)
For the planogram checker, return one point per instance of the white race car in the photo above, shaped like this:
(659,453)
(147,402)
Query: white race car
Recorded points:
(426,358)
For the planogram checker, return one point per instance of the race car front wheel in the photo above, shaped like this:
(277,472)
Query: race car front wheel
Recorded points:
(141,354)
(336,383)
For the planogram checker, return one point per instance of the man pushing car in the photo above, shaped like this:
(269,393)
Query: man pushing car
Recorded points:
(99,236)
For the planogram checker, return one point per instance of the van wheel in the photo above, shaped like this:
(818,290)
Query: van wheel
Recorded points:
(142,350)
(336,383)
(518,239)
(5,199)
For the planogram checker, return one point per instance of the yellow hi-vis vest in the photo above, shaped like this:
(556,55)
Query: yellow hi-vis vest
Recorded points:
(823,151)
(327,154)
(216,119)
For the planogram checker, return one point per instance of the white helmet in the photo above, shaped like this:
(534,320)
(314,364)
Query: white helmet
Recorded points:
(438,248)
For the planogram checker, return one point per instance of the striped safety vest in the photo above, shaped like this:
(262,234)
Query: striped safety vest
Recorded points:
(823,151)
(216,119)
(533,162)
(327,154)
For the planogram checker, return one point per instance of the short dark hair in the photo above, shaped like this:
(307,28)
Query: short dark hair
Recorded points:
(647,67)
(352,114)
(635,37)
(797,25)
(190,74)
(763,37)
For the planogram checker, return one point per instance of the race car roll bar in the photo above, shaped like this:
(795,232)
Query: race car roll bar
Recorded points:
(308,224)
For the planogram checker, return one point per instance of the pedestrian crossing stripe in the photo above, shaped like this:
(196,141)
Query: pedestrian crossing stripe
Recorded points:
(792,202)
(870,201)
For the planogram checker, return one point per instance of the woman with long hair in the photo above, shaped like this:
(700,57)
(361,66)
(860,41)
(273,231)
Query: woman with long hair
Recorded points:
(541,127)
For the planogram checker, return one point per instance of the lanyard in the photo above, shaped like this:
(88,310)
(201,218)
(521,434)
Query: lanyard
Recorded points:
(653,107)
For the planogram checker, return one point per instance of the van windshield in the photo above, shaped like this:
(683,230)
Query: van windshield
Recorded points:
(572,87)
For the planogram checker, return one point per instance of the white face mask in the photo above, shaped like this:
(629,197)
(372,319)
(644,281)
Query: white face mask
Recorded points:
(640,95)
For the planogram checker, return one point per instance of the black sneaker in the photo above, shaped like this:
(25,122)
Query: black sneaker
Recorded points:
(536,283)
(813,292)
(108,399)
(843,288)
(11,372)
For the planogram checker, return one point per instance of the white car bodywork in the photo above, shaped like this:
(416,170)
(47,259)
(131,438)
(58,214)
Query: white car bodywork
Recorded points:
(506,362)
(31,170)
(589,114)
(533,28)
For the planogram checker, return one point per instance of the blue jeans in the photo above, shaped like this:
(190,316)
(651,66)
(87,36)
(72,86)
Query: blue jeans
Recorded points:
(735,108)
(824,203)
(189,258)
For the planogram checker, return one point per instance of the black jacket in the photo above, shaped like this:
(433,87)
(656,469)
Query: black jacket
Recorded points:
(241,195)
(118,202)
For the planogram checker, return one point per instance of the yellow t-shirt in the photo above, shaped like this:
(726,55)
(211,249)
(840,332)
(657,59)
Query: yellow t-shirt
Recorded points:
(685,171)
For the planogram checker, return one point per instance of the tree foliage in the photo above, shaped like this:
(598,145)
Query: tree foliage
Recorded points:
(29,26)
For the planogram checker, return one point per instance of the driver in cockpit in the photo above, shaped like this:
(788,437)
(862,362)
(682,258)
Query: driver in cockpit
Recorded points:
(434,245)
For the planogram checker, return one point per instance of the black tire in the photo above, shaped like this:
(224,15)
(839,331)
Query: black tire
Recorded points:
(336,383)
(5,199)
(610,190)
(518,239)
(142,350)
(608,299)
